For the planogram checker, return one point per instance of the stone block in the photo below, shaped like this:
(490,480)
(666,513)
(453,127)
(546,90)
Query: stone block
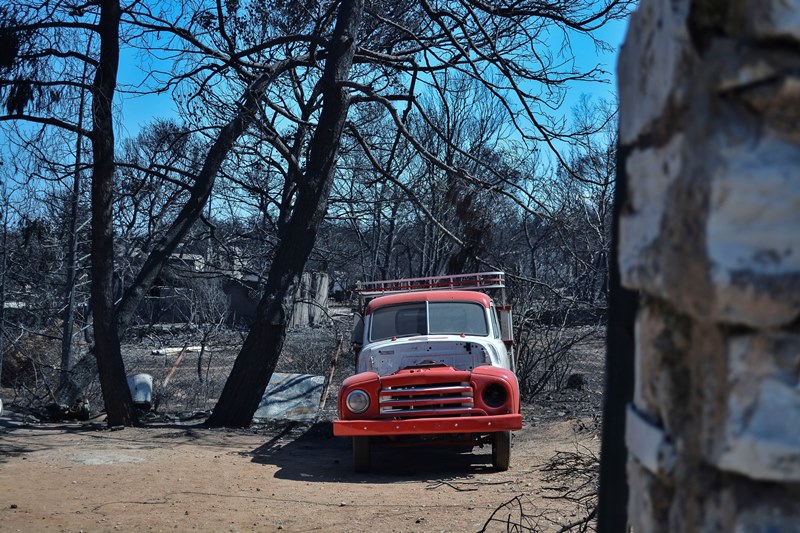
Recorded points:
(651,174)
(647,362)
(753,233)
(651,64)
(716,233)
(765,83)
(648,500)
(291,397)
(768,519)
(775,19)
(760,435)
(660,364)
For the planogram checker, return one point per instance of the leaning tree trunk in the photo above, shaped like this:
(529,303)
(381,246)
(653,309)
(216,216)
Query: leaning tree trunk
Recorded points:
(116,394)
(256,361)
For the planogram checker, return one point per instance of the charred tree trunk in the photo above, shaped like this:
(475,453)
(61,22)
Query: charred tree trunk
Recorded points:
(256,361)
(113,383)
(72,238)
(3,267)
(72,247)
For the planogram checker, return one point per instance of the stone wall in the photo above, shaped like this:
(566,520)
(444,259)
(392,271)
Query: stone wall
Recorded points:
(710,237)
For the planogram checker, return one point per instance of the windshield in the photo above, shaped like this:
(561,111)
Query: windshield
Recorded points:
(431,318)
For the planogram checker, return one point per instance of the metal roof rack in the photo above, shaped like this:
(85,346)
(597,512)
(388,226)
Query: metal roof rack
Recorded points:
(477,281)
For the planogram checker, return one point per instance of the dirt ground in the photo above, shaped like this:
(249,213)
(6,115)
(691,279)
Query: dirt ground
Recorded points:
(174,475)
(75,477)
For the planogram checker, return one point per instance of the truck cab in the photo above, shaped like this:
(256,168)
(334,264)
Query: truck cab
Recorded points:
(433,367)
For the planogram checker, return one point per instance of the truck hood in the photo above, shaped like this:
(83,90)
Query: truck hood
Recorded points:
(389,356)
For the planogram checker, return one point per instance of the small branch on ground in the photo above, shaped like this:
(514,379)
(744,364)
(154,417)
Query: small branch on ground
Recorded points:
(573,477)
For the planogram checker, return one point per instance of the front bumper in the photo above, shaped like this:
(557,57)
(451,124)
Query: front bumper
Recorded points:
(427,426)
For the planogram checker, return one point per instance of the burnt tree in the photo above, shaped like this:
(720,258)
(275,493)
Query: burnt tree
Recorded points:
(119,404)
(257,359)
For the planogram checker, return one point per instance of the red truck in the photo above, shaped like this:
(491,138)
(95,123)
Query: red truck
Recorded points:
(434,366)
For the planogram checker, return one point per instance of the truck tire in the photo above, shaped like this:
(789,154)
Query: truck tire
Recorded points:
(361,454)
(501,450)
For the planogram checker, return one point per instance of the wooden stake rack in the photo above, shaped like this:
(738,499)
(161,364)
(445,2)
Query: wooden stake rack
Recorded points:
(477,281)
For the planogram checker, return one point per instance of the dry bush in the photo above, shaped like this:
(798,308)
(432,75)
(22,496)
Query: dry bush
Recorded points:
(572,477)
(31,363)
(32,367)
(547,327)
(308,350)
(546,356)
(198,378)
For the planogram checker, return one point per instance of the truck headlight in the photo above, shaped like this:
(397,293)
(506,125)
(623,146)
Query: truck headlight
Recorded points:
(495,395)
(357,401)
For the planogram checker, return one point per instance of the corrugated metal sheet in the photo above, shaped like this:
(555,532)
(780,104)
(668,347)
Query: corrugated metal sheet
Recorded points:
(291,397)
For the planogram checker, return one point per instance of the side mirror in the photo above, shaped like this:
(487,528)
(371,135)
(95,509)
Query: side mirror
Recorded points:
(506,324)
(357,335)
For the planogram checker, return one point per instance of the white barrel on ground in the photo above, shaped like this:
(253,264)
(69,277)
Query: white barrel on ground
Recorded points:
(141,386)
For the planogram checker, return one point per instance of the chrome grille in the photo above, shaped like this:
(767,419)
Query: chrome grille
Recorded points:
(440,399)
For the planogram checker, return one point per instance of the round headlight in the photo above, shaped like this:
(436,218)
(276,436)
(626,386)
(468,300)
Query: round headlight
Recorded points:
(495,395)
(357,401)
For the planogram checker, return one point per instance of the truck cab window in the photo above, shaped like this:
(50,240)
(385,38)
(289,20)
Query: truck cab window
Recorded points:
(457,317)
(398,321)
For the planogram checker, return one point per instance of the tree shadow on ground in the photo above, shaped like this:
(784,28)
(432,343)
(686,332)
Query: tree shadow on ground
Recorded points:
(21,435)
(37,435)
(315,455)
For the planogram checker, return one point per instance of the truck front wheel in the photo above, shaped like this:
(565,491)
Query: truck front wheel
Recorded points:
(361,454)
(501,450)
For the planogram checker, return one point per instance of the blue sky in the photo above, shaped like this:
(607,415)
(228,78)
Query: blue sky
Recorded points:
(137,111)
(586,55)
